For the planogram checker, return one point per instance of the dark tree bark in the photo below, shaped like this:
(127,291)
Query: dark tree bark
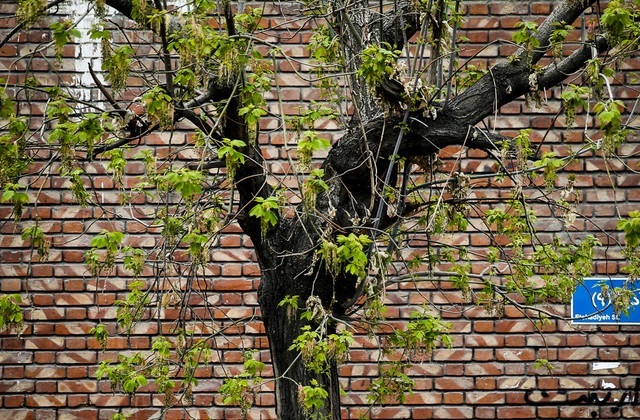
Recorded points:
(283,276)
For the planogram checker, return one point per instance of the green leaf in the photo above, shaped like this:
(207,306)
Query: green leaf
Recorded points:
(11,316)
(187,182)
(118,65)
(378,62)
(233,157)
(631,228)
(63,32)
(265,209)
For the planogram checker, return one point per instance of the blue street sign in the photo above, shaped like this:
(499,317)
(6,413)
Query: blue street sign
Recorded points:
(589,306)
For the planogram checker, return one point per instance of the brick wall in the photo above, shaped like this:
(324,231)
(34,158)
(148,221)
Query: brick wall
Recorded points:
(49,370)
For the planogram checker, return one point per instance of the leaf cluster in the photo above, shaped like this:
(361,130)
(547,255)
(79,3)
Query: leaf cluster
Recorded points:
(378,62)
(266,210)
(11,316)
(62,32)
(631,228)
(109,243)
(319,350)
(239,390)
(313,398)
(39,242)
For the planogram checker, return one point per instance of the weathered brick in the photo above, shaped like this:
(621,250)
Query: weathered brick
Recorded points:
(44,372)
(484,369)
(46,400)
(483,341)
(448,384)
(629,354)
(80,414)
(453,412)
(506,326)
(109,400)
(516,383)
(577,354)
(424,399)
(77,387)
(515,355)
(17,414)
(52,343)
(16,357)
(484,398)
(452,355)
(16,386)
(77,357)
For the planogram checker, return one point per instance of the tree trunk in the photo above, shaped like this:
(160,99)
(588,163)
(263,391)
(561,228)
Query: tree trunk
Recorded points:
(282,328)
(286,272)
(289,262)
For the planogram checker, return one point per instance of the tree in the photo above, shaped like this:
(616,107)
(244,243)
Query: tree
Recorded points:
(387,73)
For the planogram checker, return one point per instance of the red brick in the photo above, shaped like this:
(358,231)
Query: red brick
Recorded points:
(485,413)
(516,412)
(13,372)
(448,384)
(422,413)
(477,9)
(22,414)
(483,326)
(485,383)
(13,401)
(46,401)
(577,354)
(452,398)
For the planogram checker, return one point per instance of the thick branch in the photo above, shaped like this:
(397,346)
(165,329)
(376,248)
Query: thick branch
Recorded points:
(126,8)
(351,162)
(556,73)
(197,121)
(564,11)
(217,90)
(507,81)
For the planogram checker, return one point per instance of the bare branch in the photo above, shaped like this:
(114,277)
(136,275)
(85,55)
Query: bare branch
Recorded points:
(102,89)
(566,11)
